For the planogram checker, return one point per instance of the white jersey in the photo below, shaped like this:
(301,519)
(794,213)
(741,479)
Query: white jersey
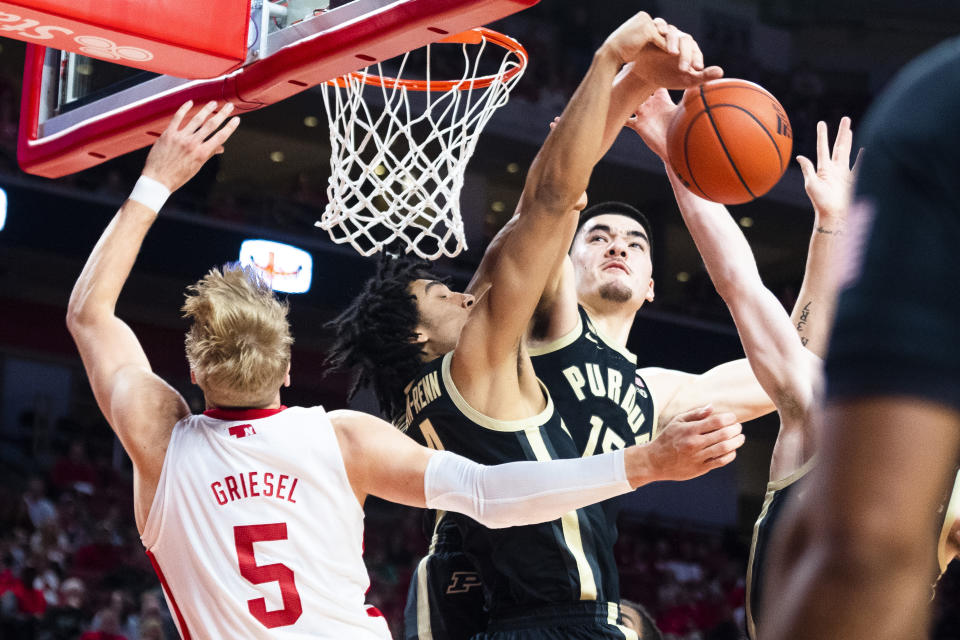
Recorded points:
(255,531)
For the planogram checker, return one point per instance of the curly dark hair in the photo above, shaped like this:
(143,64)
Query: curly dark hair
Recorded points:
(374,336)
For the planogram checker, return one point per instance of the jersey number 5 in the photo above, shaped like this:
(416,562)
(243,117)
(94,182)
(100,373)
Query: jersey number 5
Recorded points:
(258,574)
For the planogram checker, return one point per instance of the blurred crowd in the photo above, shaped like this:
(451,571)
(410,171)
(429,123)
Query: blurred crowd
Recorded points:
(71,564)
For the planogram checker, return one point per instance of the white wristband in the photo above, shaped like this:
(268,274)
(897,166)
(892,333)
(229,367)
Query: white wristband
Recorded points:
(150,193)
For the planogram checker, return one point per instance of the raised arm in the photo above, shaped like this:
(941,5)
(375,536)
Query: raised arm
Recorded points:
(828,186)
(769,340)
(556,311)
(140,407)
(637,80)
(526,253)
(520,259)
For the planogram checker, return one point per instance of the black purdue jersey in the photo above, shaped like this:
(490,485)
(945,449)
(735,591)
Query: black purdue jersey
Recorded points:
(603,400)
(596,388)
(778,492)
(521,568)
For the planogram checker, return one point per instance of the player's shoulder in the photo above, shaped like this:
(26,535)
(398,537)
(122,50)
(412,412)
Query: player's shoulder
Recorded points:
(661,376)
(356,423)
(346,416)
(664,384)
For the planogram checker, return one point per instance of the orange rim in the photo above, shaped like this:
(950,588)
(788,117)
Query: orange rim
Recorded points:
(471,36)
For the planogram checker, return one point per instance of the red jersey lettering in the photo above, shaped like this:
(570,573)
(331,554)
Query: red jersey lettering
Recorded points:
(231,483)
(218,493)
(268,482)
(255,484)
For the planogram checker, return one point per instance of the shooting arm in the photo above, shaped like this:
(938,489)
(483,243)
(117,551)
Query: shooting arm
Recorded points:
(139,406)
(528,249)
(556,311)
(769,341)
(674,63)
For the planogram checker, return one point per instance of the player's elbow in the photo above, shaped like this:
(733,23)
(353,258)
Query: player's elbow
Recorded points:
(733,285)
(79,319)
(83,314)
(500,519)
(553,193)
(727,287)
(76,318)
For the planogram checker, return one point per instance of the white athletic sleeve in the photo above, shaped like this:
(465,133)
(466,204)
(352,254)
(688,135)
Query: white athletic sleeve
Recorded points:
(520,493)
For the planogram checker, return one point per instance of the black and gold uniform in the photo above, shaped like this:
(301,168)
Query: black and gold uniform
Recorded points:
(778,492)
(605,405)
(596,388)
(445,600)
(539,581)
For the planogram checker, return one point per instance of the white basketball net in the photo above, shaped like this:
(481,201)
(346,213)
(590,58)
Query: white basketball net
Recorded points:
(396,170)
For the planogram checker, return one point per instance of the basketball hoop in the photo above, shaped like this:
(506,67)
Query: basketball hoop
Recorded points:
(396,170)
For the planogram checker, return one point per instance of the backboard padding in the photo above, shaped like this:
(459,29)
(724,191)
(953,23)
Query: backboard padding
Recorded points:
(184,39)
(327,46)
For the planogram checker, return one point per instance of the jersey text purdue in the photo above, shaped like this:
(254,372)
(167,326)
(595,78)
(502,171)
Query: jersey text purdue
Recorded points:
(609,386)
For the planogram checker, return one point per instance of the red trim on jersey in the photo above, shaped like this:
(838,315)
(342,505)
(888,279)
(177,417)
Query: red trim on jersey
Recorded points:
(242,414)
(184,631)
(373,612)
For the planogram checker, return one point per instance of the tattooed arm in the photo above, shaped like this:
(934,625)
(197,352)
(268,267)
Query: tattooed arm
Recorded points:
(828,187)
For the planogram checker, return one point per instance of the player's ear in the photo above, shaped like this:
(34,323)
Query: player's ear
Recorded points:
(286,378)
(193,376)
(649,296)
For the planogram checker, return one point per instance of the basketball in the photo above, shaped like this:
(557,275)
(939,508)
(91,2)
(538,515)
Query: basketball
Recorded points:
(730,141)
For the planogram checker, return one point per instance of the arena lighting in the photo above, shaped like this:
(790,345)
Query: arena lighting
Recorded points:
(3,209)
(285,268)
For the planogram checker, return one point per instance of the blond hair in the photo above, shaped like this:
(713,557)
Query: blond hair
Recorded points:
(239,343)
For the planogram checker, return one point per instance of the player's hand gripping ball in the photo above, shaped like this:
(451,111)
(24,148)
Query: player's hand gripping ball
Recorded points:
(730,141)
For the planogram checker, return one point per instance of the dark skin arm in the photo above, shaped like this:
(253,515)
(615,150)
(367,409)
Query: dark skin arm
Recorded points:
(490,366)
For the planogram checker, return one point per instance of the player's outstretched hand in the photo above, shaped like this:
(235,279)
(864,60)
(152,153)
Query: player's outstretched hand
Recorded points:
(678,65)
(651,121)
(830,183)
(692,444)
(630,38)
(178,154)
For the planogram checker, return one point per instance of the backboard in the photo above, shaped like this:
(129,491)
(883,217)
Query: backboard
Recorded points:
(164,36)
(78,111)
